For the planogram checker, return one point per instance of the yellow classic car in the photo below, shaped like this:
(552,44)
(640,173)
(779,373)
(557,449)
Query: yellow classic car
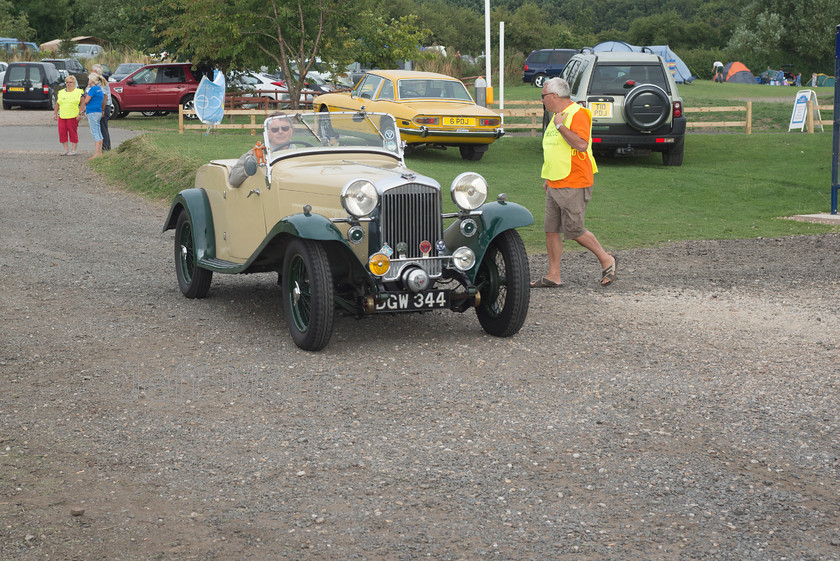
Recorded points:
(431,109)
(327,202)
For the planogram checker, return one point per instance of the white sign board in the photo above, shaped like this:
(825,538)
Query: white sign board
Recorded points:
(800,110)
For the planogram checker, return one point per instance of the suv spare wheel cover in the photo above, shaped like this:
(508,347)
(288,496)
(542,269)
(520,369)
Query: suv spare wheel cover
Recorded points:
(646,107)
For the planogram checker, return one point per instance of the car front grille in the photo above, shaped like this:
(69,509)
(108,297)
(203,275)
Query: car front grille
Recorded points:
(411,213)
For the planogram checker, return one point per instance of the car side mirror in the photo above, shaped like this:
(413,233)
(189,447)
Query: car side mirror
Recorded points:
(130,82)
(251,165)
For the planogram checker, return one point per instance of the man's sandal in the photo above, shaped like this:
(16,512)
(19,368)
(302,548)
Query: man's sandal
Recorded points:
(608,274)
(546,283)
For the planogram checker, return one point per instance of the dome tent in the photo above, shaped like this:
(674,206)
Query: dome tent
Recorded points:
(736,72)
(680,70)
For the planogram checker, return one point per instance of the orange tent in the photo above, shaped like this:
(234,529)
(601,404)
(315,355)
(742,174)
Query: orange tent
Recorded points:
(738,73)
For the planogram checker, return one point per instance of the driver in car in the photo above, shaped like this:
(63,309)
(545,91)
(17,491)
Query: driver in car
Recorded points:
(279,132)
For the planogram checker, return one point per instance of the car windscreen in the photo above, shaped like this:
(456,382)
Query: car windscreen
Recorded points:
(417,88)
(613,78)
(291,133)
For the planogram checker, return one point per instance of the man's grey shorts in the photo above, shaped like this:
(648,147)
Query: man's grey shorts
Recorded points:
(565,210)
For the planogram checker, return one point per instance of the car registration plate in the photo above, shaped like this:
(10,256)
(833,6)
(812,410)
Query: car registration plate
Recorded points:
(459,121)
(15,89)
(600,109)
(412,302)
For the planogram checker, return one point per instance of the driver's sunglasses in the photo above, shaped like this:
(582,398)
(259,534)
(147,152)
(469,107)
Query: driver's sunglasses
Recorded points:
(278,129)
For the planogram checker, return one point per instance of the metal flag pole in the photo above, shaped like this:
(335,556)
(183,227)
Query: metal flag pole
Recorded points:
(835,184)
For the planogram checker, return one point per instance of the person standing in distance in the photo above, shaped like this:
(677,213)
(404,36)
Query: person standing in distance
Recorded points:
(717,68)
(106,112)
(568,172)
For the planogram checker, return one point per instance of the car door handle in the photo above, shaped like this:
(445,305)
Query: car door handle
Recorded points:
(253,192)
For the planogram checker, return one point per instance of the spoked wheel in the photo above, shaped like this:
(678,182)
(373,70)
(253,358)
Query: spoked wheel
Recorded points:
(308,294)
(502,280)
(193,280)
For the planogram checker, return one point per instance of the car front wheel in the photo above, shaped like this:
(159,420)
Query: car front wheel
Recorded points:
(115,109)
(308,294)
(502,280)
(192,279)
(189,105)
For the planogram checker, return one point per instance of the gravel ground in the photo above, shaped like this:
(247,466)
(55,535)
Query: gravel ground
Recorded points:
(690,411)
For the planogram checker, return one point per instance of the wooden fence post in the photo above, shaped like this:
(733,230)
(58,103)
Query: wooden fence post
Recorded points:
(749,117)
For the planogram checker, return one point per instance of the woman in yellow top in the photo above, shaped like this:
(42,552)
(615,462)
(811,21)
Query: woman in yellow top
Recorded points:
(67,114)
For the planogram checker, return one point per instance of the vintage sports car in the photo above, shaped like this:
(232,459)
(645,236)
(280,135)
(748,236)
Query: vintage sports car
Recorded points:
(328,203)
(431,109)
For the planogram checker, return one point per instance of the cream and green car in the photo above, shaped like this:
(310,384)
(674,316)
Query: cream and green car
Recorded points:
(350,228)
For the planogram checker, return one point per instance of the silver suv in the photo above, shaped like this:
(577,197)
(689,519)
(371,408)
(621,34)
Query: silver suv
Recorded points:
(636,108)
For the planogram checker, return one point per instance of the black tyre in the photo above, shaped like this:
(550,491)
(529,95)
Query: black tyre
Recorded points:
(115,109)
(51,102)
(469,153)
(647,107)
(503,282)
(189,105)
(149,113)
(539,80)
(308,294)
(193,280)
(674,156)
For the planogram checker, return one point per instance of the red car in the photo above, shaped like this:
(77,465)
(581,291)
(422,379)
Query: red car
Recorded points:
(155,87)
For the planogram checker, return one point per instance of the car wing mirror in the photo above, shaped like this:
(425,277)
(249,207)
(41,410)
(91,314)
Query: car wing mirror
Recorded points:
(130,82)
(251,165)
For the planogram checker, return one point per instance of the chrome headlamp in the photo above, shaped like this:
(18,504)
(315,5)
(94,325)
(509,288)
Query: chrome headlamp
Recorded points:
(359,197)
(469,191)
(463,258)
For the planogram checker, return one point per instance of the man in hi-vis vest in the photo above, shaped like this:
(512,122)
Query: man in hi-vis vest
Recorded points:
(568,170)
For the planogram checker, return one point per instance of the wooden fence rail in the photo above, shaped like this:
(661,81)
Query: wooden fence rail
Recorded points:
(527,110)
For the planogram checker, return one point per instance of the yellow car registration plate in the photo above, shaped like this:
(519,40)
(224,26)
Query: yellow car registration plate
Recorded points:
(459,121)
(602,110)
(16,89)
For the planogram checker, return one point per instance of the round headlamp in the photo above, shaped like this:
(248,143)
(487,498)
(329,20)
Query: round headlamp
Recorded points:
(463,258)
(359,197)
(469,191)
(379,264)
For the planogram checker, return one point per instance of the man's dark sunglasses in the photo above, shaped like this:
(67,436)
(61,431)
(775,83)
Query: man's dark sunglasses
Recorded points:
(277,129)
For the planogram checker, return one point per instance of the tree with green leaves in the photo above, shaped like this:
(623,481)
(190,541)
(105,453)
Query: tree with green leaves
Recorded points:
(789,31)
(380,42)
(283,34)
(13,24)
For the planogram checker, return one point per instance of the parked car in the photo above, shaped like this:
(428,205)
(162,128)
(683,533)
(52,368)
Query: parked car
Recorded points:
(636,107)
(124,70)
(70,67)
(258,84)
(545,63)
(155,87)
(3,67)
(348,227)
(431,109)
(31,84)
(13,46)
(87,50)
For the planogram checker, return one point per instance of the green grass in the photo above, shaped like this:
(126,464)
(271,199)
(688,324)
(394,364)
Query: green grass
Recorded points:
(731,185)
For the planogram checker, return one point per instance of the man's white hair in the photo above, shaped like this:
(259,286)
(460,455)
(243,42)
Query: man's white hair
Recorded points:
(558,86)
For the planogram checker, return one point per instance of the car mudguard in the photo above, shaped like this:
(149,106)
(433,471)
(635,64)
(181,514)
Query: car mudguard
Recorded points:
(197,205)
(310,226)
(488,221)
